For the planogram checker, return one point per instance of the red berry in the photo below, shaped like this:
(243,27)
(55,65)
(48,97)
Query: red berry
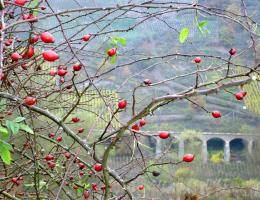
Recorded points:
(24,66)
(49,157)
(86,194)
(232,51)
(81,173)
(142,122)
(197,60)
(86,37)
(80,130)
(31,16)
(94,187)
(43,7)
(239,96)
(34,39)
(147,82)
(122,104)
(77,67)
(52,72)
(29,53)
(135,128)
(98,167)
(216,114)
(244,93)
(20,2)
(8,42)
(164,134)
(75,119)
(59,139)
(67,155)
(188,158)
(50,56)
(30,101)
(51,135)
(141,187)
(62,72)
(51,164)
(25,17)
(111,52)
(81,165)
(15,180)
(15,56)
(47,37)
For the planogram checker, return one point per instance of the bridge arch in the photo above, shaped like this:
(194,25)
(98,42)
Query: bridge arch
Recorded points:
(238,149)
(216,145)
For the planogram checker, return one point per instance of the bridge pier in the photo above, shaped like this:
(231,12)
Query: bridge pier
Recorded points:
(250,146)
(204,151)
(227,151)
(158,148)
(181,148)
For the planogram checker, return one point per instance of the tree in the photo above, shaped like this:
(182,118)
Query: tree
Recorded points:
(56,73)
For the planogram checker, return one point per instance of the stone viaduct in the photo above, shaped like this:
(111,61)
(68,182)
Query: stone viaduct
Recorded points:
(205,137)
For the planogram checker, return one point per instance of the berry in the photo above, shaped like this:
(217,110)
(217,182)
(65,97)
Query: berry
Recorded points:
(81,165)
(86,38)
(81,173)
(142,122)
(80,130)
(43,7)
(47,37)
(50,56)
(188,158)
(232,51)
(122,104)
(239,96)
(216,114)
(98,167)
(75,119)
(135,128)
(62,72)
(51,165)
(67,155)
(197,60)
(51,135)
(49,157)
(86,194)
(15,56)
(244,93)
(30,101)
(164,134)
(20,2)
(141,187)
(77,67)
(15,180)
(34,39)
(111,52)
(29,53)
(147,82)
(59,139)
(52,72)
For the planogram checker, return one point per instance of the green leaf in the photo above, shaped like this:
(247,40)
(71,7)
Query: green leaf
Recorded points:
(3,133)
(183,35)
(2,104)
(19,119)
(5,153)
(33,4)
(13,126)
(202,24)
(26,128)
(115,40)
(113,59)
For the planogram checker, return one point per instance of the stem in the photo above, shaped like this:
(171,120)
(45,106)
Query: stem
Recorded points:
(2,33)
